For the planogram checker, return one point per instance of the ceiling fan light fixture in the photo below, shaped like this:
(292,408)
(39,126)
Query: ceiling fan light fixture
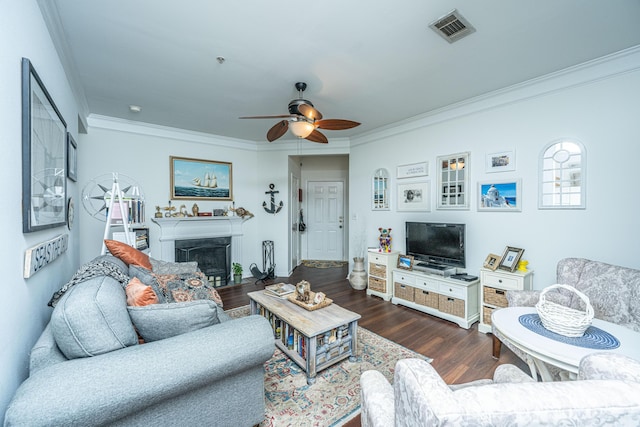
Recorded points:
(301,128)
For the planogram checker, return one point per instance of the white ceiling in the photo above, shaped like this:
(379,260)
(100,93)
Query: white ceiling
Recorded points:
(375,62)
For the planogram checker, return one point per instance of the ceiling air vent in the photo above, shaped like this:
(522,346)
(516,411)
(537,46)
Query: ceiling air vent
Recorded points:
(452,27)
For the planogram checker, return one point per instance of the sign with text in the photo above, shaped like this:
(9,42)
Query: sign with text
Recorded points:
(38,257)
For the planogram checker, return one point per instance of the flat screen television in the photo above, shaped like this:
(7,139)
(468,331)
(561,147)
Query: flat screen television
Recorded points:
(436,245)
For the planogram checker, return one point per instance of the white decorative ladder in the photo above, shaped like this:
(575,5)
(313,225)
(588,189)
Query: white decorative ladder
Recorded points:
(116,193)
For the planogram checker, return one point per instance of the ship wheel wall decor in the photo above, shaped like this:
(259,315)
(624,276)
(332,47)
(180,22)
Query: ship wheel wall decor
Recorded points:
(303,120)
(96,194)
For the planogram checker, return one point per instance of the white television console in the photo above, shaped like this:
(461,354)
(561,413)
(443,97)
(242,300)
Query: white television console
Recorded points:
(452,299)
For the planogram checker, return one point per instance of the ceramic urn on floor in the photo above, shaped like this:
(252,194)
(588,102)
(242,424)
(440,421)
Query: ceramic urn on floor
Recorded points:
(358,276)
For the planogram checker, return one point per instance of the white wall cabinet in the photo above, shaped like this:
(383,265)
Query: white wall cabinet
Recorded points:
(451,299)
(493,291)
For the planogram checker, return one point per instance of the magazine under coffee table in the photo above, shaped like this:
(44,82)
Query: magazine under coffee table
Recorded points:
(314,340)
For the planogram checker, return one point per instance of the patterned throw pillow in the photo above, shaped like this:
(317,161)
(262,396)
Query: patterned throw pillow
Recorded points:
(186,287)
(167,267)
(177,287)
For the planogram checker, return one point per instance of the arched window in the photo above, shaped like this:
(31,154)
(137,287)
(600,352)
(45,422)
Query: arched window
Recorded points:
(562,175)
(380,191)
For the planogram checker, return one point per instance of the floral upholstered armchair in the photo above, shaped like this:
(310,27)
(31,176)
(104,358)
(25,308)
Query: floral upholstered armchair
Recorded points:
(613,291)
(607,393)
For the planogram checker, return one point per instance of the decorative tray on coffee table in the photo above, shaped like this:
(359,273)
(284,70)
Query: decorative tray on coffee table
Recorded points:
(293,298)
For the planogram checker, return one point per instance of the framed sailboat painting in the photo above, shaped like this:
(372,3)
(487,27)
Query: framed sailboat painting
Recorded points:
(197,179)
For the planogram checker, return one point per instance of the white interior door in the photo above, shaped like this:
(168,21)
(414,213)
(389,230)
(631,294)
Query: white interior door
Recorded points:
(294,215)
(325,220)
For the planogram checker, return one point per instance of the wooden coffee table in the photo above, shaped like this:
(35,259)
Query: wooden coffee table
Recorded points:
(565,356)
(314,340)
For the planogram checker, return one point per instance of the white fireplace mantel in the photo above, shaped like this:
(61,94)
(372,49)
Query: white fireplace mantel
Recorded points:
(182,228)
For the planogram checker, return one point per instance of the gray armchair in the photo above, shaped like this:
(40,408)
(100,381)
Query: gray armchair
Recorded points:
(607,393)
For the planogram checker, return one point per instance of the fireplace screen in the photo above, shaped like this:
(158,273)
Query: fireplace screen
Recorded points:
(212,254)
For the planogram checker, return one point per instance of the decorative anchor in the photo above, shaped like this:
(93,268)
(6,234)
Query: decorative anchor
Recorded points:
(273,209)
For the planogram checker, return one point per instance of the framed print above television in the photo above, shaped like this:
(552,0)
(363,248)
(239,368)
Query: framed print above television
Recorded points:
(414,196)
(197,179)
(44,156)
(501,162)
(500,196)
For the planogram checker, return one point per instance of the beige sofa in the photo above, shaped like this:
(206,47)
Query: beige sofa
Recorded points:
(607,393)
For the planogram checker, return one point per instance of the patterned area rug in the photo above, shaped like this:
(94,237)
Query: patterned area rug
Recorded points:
(335,396)
(313,263)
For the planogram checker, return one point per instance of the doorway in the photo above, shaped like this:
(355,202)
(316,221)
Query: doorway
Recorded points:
(325,220)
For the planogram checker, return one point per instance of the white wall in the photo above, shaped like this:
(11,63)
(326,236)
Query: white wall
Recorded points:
(142,152)
(23,308)
(598,108)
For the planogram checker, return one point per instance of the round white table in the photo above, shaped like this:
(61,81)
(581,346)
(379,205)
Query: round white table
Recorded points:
(544,349)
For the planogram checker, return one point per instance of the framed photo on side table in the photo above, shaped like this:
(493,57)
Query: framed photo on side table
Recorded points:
(405,262)
(510,259)
(492,261)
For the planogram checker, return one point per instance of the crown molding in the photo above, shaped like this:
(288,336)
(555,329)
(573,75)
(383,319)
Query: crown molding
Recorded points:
(606,67)
(140,128)
(51,17)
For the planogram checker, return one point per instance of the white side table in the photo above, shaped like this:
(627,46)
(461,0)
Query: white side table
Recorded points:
(380,268)
(494,286)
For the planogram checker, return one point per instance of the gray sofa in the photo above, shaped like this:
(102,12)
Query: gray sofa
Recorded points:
(613,291)
(88,369)
(607,393)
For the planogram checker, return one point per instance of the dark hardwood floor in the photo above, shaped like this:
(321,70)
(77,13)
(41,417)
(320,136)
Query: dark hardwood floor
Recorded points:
(459,355)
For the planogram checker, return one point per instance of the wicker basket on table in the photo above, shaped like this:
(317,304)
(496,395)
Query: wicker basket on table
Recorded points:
(564,320)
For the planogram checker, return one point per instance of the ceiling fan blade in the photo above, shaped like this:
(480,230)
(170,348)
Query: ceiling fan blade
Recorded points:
(336,124)
(309,112)
(277,130)
(281,116)
(317,136)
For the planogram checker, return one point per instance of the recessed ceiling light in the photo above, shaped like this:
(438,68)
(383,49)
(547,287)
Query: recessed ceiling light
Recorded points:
(135,108)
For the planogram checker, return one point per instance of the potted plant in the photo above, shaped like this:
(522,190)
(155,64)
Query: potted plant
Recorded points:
(237,272)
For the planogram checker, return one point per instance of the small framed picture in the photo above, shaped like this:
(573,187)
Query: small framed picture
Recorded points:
(405,262)
(414,196)
(510,259)
(501,162)
(492,261)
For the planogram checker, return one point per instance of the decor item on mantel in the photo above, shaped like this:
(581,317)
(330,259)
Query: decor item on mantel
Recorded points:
(385,240)
(242,212)
(358,276)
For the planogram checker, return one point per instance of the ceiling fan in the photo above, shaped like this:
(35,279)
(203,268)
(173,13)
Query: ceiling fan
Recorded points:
(304,121)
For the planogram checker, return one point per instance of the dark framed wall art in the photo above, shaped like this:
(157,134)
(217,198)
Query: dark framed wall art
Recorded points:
(72,158)
(44,156)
